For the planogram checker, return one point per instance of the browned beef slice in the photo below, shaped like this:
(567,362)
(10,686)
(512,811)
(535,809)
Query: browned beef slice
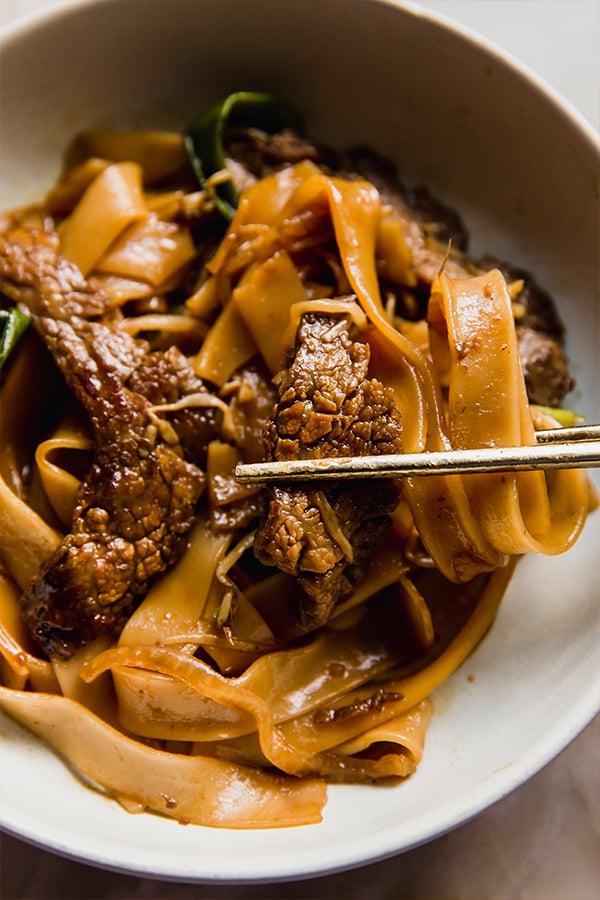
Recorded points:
(33,272)
(135,507)
(165,378)
(545,367)
(327,406)
(260,153)
(138,501)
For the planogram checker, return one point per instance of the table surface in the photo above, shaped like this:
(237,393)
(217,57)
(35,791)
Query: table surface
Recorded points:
(539,843)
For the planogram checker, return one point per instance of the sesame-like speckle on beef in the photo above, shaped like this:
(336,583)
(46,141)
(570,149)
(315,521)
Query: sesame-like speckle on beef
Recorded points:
(327,406)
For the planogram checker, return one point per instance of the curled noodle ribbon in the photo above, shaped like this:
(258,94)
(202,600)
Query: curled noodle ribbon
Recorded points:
(472,333)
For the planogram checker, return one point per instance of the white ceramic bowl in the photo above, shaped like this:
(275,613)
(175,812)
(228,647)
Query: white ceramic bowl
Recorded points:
(522,167)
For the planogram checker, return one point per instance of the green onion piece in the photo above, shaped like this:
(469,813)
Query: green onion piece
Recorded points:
(565,417)
(13,323)
(204,137)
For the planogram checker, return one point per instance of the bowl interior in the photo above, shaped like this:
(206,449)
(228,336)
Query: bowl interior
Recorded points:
(483,136)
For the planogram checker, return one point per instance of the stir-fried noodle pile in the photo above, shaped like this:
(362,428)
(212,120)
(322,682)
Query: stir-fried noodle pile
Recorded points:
(213,651)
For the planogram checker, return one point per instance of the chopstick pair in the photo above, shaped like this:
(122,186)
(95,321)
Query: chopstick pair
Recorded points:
(559,448)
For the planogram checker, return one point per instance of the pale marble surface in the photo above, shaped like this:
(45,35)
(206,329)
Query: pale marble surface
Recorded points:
(540,843)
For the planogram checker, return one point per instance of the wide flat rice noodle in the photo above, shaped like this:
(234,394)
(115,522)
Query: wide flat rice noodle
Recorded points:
(192,789)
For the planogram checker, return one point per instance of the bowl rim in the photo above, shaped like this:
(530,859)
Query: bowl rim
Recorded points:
(37,19)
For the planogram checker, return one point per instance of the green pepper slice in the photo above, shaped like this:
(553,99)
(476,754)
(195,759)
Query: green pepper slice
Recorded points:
(13,323)
(204,137)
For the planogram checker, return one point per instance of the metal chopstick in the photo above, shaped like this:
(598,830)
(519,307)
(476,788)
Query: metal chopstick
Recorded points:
(560,448)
